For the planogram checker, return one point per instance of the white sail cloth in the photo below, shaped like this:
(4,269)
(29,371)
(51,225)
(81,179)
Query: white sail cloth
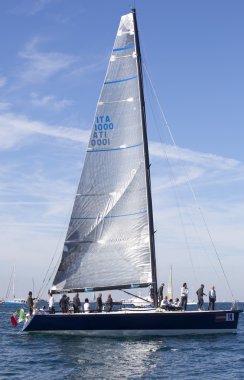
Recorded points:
(107,242)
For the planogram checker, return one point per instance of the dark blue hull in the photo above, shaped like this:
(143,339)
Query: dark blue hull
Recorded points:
(136,323)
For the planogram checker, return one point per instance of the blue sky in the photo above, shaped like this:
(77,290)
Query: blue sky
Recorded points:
(54,56)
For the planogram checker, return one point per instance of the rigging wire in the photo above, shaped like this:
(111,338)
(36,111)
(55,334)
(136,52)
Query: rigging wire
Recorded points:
(176,196)
(178,202)
(47,277)
(189,184)
(136,296)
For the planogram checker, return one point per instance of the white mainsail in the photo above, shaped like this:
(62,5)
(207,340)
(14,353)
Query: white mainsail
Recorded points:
(170,285)
(107,243)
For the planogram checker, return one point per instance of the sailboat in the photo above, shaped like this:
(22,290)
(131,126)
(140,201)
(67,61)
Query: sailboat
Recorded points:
(110,239)
(11,286)
(170,285)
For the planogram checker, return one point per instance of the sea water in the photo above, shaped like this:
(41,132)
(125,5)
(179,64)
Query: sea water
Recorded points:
(31,356)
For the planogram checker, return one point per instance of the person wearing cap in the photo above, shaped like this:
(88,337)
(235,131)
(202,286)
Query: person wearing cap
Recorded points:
(200,294)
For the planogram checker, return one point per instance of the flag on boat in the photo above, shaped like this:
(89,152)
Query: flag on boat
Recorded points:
(18,317)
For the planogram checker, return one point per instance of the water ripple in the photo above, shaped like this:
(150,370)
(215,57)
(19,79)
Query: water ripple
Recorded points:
(72,358)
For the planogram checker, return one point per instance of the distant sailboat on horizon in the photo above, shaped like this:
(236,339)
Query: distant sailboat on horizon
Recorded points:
(170,285)
(8,300)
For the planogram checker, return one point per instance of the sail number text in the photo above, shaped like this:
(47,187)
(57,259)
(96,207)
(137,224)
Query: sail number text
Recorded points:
(102,127)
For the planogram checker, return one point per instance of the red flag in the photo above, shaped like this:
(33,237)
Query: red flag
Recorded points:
(13,321)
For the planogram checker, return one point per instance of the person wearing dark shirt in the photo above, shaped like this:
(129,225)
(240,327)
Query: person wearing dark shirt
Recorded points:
(30,302)
(160,293)
(76,303)
(109,303)
(64,304)
(99,303)
(200,294)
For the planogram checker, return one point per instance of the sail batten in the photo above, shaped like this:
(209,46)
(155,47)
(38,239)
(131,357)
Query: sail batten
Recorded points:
(107,244)
(112,149)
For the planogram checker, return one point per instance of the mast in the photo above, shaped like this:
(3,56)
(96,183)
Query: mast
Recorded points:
(14,282)
(170,285)
(147,163)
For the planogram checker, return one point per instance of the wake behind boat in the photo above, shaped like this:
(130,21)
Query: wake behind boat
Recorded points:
(110,240)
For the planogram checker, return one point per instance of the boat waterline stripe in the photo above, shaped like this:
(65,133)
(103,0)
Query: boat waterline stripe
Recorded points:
(125,48)
(121,80)
(131,333)
(111,216)
(112,149)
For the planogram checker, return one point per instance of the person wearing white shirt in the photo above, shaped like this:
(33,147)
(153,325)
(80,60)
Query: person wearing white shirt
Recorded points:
(184,296)
(86,306)
(212,298)
(164,303)
(51,305)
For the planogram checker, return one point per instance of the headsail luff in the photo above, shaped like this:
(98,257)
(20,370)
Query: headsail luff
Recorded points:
(108,243)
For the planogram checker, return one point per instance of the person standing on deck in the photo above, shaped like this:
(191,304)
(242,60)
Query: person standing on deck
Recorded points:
(160,293)
(99,303)
(51,309)
(109,303)
(30,303)
(64,303)
(200,294)
(184,296)
(212,298)
(76,303)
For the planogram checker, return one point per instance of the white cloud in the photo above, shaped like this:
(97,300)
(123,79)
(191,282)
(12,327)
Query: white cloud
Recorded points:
(187,167)
(50,101)
(39,66)
(28,8)
(14,128)
(203,159)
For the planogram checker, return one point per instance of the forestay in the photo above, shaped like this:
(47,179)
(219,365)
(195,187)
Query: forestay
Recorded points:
(107,244)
